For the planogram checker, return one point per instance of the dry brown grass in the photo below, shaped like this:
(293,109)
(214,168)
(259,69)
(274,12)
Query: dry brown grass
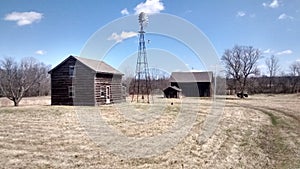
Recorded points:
(258,132)
(26,101)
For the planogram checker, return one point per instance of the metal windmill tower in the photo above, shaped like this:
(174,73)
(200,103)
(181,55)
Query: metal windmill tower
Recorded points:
(142,84)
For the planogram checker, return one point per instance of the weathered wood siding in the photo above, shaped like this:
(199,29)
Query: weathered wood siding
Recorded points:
(83,81)
(103,80)
(116,89)
(193,89)
(171,93)
(84,85)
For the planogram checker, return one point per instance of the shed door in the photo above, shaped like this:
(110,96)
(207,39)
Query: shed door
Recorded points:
(107,94)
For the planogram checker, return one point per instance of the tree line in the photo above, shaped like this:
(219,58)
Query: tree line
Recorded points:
(159,80)
(241,62)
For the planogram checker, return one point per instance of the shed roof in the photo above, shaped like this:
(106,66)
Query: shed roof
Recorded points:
(191,77)
(173,87)
(95,65)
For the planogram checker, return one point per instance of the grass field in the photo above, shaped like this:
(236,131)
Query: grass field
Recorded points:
(262,131)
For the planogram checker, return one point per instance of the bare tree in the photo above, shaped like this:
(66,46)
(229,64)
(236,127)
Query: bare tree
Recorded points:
(295,69)
(295,75)
(272,65)
(41,88)
(17,78)
(159,79)
(240,62)
(128,78)
(273,68)
(233,65)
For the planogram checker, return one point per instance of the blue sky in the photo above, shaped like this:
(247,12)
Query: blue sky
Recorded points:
(51,30)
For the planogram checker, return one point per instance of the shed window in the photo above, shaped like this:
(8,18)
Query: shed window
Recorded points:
(72,71)
(71,91)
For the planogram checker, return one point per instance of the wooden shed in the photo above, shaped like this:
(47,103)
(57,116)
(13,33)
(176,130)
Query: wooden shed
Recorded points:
(81,81)
(193,84)
(172,92)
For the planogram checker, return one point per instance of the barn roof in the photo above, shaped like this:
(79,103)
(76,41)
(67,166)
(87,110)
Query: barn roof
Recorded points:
(191,77)
(96,65)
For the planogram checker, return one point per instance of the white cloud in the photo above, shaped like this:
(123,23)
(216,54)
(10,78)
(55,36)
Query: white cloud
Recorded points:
(122,36)
(40,52)
(244,14)
(149,7)
(273,4)
(240,14)
(24,18)
(268,51)
(285,52)
(125,12)
(298,60)
(272,52)
(285,16)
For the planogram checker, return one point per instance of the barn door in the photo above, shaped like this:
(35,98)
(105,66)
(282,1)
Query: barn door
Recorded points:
(107,94)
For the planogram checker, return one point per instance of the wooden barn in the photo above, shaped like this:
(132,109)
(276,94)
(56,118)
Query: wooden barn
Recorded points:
(81,81)
(193,84)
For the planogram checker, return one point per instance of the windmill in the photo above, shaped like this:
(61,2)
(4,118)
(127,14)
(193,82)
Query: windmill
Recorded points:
(142,85)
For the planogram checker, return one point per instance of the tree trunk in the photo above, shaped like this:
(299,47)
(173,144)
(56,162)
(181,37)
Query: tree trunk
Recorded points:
(242,94)
(270,85)
(235,87)
(243,86)
(16,101)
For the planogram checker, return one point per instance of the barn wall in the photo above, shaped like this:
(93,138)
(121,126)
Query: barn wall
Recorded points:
(204,89)
(83,82)
(192,89)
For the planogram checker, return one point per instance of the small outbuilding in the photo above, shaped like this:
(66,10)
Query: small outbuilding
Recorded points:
(193,84)
(172,92)
(81,81)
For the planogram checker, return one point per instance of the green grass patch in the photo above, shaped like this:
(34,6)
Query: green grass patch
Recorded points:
(273,118)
